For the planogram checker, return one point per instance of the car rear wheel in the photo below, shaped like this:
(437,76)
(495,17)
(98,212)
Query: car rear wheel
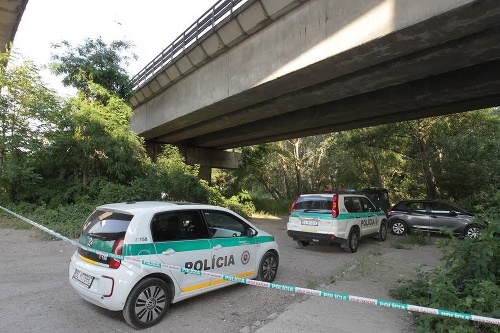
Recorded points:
(268,267)
(302,243)
(399,228)
(147,303)
(352,241)
(472,231)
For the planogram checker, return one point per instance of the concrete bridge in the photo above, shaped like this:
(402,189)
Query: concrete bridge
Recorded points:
(269,70)
(11,12)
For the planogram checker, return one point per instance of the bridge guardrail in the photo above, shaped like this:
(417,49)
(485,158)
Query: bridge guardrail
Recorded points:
(193,35)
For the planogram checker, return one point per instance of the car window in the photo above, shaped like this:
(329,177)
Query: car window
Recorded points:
(356,205)
(322,203)
(442,208)
(417,207)
(367,205)
(107,225)
(178,225)
(223,224)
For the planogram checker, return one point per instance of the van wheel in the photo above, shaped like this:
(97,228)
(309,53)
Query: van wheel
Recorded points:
(147,303)
(302,243)
(352,241)
(382,233)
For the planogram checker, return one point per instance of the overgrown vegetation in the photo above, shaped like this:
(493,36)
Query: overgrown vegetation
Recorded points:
(416,237)
(469,282)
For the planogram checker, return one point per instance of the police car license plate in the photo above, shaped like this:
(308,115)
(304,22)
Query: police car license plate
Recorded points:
(313,222)
(83,278)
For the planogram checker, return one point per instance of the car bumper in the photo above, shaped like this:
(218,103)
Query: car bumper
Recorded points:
(105,287)
(315,237)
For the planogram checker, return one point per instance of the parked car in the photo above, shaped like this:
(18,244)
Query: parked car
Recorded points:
(341,217)
(194,236)
(432,216)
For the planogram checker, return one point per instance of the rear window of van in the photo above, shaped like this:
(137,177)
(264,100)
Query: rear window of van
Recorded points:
(314,203)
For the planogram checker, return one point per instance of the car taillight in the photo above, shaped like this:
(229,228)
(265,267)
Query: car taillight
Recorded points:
(293,205)
(118,250)
(335,206)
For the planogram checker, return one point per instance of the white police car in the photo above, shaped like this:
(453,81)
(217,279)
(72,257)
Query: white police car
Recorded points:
(196,236)
(341,217)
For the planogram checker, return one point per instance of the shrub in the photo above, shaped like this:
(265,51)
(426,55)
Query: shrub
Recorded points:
(469,282)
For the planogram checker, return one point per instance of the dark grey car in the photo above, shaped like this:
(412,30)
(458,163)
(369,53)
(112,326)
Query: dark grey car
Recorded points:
(432,216)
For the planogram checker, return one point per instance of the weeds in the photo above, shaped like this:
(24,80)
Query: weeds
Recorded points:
(469,283)
(312,284)
(417,237)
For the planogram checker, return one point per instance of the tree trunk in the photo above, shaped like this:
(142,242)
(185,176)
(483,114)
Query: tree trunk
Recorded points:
(376,167)
(430,180)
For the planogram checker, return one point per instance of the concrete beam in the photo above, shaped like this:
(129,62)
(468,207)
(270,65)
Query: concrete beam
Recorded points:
(211,157)
(205,157)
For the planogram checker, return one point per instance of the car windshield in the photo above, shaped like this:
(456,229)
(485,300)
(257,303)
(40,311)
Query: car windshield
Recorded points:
(310,203)
(107,225)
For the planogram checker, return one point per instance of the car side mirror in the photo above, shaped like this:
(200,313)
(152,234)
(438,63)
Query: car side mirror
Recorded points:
(251,232)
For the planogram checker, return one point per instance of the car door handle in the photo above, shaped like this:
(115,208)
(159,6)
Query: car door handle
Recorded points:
(217,247)
(434,216)
(168,252)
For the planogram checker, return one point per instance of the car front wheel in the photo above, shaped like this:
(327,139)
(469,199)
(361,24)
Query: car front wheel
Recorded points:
(147,303)
(399,228)
(268,267)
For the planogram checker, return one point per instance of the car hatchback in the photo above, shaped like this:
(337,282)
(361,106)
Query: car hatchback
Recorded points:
(432,216)
(149,234)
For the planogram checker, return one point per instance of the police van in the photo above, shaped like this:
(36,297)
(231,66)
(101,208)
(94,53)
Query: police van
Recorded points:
(150,234)
(339,217)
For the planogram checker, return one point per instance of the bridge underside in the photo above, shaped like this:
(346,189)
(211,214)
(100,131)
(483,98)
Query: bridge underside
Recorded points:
(419,71)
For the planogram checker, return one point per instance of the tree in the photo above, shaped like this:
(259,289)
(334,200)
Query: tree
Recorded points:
(94,61)
(28,112)
(94,141)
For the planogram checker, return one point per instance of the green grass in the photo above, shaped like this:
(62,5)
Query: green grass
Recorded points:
(407,242)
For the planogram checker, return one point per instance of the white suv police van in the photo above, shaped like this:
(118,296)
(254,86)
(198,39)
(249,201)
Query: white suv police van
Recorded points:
(195,236)
(342,217)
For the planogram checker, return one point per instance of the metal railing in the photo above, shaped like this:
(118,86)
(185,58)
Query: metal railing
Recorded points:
(193,35)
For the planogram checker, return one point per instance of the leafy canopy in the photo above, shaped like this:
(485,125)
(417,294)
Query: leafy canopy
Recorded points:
(94,61)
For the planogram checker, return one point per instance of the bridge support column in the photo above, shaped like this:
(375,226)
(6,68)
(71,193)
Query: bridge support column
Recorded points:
(205,173)
(206,158)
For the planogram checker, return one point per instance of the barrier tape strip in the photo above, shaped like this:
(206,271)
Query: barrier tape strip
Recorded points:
(282,287)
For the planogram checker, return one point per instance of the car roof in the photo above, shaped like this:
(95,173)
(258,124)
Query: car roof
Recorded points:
(133,207)
(424,200)
(328,195)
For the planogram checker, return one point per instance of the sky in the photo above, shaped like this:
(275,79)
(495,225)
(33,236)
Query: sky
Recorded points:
(151,25)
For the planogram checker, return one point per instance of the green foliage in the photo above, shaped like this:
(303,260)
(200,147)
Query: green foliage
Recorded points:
(265,203)
(67,220)
(94,61)
(27,112)
(469,283)
(241,204)
(94,142)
